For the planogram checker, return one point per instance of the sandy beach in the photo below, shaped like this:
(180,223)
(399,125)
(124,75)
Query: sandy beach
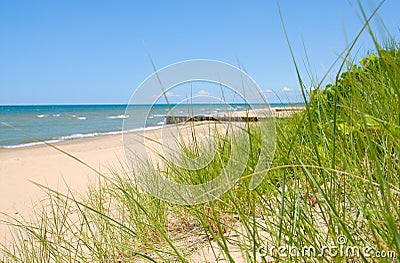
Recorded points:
(43,164)
(47,166)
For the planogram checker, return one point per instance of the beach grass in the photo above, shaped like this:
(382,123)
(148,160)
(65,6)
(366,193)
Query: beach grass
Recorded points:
(331,192)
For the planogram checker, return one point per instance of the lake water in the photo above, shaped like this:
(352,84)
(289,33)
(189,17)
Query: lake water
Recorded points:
(28,125)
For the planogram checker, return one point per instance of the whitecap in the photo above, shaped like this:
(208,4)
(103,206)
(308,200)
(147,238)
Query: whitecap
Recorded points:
(122,116)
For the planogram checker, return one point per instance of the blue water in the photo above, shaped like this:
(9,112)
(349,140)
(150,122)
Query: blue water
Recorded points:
(28,125)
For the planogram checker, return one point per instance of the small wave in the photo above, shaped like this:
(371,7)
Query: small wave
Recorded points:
(122,116)
(47,115)
(159,115)
(28,144)
(160,123)
(81,118)
(80,136)
(77,136)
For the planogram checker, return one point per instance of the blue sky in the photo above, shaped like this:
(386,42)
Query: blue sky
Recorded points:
(92,51)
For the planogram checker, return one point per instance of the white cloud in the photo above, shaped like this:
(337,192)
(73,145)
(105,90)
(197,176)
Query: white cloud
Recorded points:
(268,91)
(285,89)
(168,94)
(203,93)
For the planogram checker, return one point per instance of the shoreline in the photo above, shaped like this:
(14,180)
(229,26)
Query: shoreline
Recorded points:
(277,111)
(74,137)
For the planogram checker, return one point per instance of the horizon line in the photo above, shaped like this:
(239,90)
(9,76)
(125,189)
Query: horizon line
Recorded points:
(122,104)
